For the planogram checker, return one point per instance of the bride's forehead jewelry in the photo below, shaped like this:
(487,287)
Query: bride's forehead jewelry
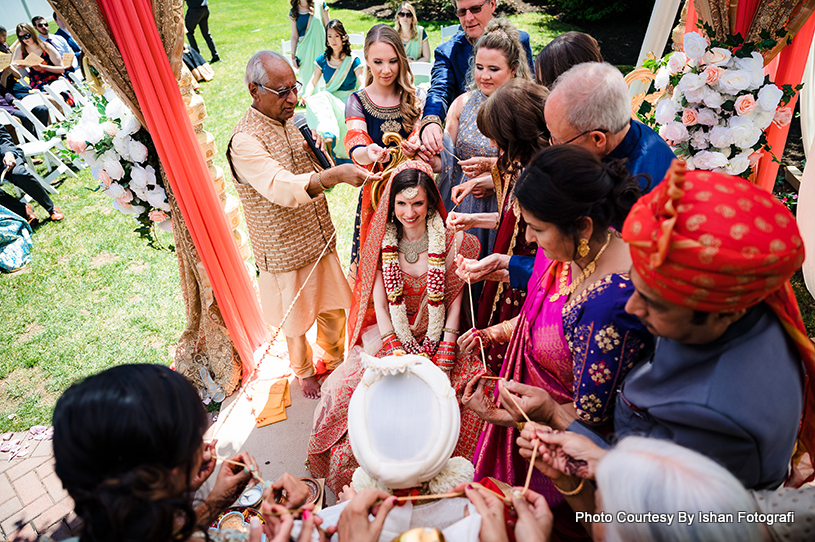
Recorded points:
(410,193)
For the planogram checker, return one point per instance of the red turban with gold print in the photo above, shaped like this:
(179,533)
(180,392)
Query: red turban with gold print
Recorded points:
(713,242)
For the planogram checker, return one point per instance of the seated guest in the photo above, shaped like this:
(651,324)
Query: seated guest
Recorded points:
(18,175)
(712,255)
(59,43)
(129,449)
(29,43)
(589,106)
(640,476)
(563,52)
(414,36)
(7,104)
(64,34)
(452,62)
(10,77)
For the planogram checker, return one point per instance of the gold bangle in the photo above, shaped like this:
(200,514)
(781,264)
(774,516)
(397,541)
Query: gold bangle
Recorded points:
(450,330)
(508,328)
(520,427)
(320,182)
(573,492)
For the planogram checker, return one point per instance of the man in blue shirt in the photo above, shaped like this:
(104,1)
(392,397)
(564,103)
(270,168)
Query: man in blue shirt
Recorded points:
(448,78)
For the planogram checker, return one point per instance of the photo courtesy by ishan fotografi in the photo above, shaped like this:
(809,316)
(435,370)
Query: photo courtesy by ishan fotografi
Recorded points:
(687,518)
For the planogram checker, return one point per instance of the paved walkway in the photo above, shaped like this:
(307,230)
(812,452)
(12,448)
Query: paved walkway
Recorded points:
(33,502)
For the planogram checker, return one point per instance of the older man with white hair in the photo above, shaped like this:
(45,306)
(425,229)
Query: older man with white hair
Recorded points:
(282,191)
(590,106)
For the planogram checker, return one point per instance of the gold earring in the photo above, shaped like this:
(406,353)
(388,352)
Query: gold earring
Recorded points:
(583,248)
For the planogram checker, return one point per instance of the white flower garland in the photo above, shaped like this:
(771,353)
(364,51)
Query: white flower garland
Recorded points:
(394,287)
(458,470)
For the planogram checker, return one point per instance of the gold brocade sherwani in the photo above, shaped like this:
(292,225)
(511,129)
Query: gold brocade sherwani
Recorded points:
(288,230)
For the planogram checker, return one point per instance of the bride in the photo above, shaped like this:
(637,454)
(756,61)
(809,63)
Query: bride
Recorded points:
(406,297)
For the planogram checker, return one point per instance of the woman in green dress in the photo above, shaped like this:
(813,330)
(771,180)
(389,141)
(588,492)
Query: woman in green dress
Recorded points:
(414,37)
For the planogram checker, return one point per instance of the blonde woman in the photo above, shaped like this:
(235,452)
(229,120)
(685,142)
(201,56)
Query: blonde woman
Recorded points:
(414,36)
(388,103)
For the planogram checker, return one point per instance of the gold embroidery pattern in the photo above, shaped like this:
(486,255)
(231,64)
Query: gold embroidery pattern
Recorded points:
(607,338)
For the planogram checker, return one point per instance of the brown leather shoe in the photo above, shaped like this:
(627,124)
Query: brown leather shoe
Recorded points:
(56,215)
(30,216)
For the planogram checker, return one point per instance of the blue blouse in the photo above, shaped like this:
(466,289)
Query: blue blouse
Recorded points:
(350,82)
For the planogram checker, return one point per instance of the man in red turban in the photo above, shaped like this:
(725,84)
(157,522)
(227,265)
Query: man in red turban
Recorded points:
(712,256)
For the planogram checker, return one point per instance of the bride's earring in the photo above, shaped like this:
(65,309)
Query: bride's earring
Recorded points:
(583,248)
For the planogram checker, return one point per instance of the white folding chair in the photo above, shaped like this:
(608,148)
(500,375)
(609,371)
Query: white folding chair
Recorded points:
(79,83)
(31,147)
(421,74)
(62,85)
(356,39)
(26,107)
(448,32)
(285,46)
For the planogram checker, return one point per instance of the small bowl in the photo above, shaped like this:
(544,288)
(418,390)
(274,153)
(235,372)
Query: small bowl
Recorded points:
(314,490)
(251,497)
(234,521)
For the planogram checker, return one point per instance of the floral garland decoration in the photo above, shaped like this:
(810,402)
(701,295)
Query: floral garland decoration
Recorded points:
(458,470)
(717,103)
(394,287)
(107,136)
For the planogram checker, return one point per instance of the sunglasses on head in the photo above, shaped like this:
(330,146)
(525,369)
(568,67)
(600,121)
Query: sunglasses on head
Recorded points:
(24,36)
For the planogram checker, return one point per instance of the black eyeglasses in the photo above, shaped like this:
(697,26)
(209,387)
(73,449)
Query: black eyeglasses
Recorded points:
(283,93)
(405,14)
(553,141)
(24,37)
(475,10)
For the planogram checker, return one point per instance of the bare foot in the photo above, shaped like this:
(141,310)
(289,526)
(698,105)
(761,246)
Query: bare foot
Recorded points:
(310,387)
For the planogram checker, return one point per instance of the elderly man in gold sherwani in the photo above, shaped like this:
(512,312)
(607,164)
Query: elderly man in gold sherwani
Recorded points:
(282,190)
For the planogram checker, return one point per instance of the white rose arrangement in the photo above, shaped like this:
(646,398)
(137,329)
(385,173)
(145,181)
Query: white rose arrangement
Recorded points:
(717,103)
(109,138)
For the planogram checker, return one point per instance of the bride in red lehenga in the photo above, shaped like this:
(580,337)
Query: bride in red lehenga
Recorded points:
(406,297)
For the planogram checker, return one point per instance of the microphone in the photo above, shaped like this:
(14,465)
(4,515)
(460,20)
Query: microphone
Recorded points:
(302,125)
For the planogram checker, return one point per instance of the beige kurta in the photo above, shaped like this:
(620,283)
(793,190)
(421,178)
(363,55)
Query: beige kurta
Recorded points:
(327,289)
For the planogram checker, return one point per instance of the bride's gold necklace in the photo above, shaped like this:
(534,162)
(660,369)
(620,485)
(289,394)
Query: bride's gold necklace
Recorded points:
(587,271)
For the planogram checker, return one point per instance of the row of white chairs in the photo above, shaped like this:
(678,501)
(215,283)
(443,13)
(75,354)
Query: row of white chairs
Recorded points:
(37,145)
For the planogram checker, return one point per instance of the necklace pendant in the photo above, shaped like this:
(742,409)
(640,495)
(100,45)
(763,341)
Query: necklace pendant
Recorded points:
(411,257)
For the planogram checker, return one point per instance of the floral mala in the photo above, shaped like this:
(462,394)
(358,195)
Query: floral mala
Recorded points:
(392,277)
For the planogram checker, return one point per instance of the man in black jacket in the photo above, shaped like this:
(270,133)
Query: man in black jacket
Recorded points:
(16,174)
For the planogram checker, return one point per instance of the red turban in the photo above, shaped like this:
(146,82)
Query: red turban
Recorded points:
(713,242)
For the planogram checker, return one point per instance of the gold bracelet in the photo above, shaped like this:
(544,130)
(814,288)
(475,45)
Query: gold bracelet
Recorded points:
(508,328)
(320,182)
(450,330)
(573,492)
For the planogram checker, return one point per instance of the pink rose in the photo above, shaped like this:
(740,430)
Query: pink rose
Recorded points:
(754,158)
(123,202)
(158,216)
(104,177)
(712,74)
(689,117)
(745,104)
(783,116)
(126,198)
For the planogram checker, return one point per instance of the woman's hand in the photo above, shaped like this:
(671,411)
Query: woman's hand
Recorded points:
(377,153)
(460,191)
(536,403)
(231,481)
(480,187)
(491,510)
(535,519)
(468,342)
(353,525)
(569,452)
(460,221)
(208,461)
(296,491)
(476,399)
(348,492)
(279,523)
(493,267)
(526,446)
(475,166)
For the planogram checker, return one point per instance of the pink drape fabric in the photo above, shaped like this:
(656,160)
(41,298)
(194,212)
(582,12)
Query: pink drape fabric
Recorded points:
(134,30)
(790,71)
(745,11)
(691,18)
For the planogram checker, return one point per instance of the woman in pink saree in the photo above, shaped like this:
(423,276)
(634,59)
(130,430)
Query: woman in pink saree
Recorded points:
(573,337)
(406,297)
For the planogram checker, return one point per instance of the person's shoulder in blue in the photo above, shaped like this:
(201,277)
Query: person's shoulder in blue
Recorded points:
(646,153)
